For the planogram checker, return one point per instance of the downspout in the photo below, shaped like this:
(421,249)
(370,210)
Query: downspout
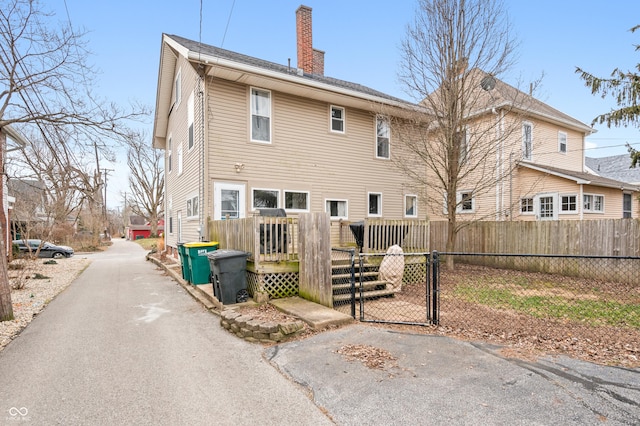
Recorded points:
(202,162)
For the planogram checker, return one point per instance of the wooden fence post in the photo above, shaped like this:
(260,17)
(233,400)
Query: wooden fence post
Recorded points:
(315,258)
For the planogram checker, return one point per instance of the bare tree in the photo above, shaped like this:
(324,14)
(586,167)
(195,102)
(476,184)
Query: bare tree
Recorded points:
(453,55)
(45,78)
(146,179)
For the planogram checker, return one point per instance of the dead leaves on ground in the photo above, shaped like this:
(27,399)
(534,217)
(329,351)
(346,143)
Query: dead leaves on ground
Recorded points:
(370,356)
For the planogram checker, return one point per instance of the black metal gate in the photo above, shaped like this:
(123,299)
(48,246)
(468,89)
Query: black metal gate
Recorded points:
(397,288)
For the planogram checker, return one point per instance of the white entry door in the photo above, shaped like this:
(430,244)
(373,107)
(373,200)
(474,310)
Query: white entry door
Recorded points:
(228,200)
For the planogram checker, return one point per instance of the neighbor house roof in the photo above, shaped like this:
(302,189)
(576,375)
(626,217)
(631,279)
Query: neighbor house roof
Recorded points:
(616,167)
(580,177)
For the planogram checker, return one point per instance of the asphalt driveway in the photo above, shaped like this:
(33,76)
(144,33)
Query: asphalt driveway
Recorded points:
(442,381)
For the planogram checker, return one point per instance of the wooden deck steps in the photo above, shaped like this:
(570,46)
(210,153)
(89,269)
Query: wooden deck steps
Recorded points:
(371,285)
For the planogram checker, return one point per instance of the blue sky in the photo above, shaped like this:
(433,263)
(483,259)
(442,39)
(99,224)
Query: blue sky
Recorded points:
(361,41)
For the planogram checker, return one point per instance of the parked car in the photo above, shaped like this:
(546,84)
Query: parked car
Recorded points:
(46,249)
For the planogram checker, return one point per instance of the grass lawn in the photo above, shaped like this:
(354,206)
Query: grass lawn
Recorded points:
(148,243)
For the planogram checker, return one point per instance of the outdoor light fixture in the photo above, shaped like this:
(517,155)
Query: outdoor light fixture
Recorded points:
(238,166)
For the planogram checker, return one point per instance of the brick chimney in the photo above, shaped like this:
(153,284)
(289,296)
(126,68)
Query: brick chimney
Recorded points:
(310,60)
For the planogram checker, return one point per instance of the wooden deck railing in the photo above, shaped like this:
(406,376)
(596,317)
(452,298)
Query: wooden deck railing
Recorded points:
(377,235)
(267,239)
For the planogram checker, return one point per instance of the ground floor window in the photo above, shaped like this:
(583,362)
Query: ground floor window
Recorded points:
(265,198)
(337,209)
(626,206)
(410,206)
(193,207)
(296,201)
(526,205)
(375,204)
(593,203)
(569,204)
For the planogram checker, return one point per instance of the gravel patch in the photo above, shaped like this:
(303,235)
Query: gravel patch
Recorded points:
(41,283)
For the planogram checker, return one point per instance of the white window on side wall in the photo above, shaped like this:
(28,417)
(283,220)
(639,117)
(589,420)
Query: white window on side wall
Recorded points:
(296,201)
(190,114)
(382,137)
(374,200)
(337,119)
(260,115)
(193,206)
(526,205)
(177,88)
(562,142)
(169,158)
(337,209)
(265,198)
(410,206)
(527,140)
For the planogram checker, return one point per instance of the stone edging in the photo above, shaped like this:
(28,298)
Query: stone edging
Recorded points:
(255,330)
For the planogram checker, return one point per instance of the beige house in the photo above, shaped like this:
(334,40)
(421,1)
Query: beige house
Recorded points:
(241,134)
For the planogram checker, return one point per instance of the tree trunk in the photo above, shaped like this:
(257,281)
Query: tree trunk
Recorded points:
(451,242)
(6,307)
(153,222)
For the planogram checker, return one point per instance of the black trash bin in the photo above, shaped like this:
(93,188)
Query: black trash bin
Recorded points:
(229,275)
(273,237)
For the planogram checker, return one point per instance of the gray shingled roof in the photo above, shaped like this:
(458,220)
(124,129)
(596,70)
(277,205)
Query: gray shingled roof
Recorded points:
(209,50)
(615,167)
(589,177)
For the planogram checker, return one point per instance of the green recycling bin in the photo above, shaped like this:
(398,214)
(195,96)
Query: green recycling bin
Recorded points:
(184,262)
(198,261)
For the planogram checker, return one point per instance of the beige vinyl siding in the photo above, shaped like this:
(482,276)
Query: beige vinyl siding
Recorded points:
(545,146)
(180,186)
(303,154)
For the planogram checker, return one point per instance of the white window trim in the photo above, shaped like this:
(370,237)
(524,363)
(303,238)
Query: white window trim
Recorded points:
(180,159)
(459,202)
(533,206)
(251,89)
(169,154)
(170,208)
(278,203)
(344,119)
(190,197)
(190,122)
(464,156)
(386,120)
(177,87)
(566,143)
(339,200)
(284,202)
(379,214)
(405,205)
(591,210)
(560,211)
(555,199)
(524,123)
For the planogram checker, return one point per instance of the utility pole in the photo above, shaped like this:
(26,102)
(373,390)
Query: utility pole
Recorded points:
(104,206)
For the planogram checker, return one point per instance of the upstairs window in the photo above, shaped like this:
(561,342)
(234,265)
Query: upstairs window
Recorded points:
(260,115)
(190,114)
(382,138)
(527,140)
(337,119)
(562,142)
(461,143)
(178,88)
(169,159)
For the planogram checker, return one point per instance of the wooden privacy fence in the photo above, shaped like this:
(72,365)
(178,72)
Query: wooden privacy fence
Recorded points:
(606,237)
